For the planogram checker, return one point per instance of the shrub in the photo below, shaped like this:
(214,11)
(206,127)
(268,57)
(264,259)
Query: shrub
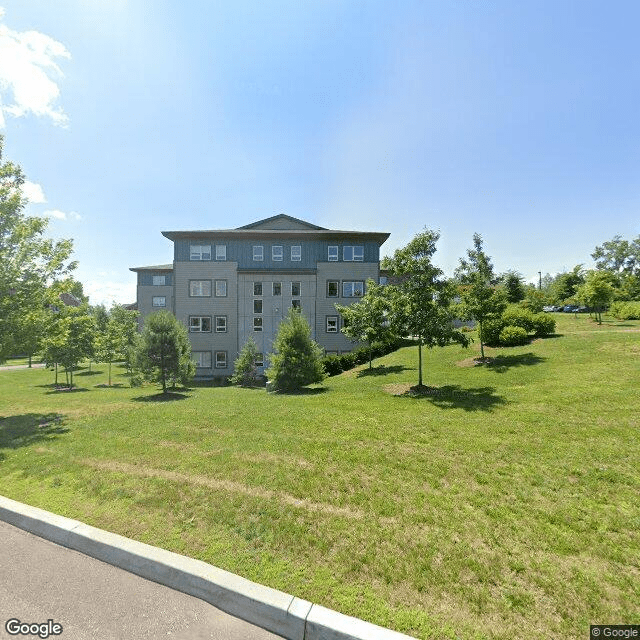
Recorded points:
(625,310)
(515,316)
(332,364)
(490,333)
(512,336)
(543,324)
(245,371)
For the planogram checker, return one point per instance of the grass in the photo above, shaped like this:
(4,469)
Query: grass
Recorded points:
(501,502)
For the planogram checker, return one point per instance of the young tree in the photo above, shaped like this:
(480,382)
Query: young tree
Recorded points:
(28,260)
(164,351)
(513,284)
(127,322)
(69,337)
(597,291)
(421,301)
(245,371)
(296,360)
(481,301)
(368,320)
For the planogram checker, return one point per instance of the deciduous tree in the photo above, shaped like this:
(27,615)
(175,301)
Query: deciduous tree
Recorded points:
(421,299)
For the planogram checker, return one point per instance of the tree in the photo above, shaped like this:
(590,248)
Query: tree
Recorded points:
(480,300)
(421,301)
(566,284)
(164,351)
(127,321)
(245,370)
(597,292)
(69,337)
(296,360)
(368,320)
(618,256)
(29,262)
(513,284)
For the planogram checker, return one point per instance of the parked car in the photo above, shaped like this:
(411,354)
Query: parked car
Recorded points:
(571,308)
(548,308)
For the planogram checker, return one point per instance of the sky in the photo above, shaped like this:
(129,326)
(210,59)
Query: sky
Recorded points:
(515,120)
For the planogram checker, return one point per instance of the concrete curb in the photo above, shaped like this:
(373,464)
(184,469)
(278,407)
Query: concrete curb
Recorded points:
(273,610)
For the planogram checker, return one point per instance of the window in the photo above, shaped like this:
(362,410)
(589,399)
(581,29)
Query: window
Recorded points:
(277,253)
(200,288)
(257,324)
(332,288)
(221,288)
(332,255)
(353,254)
(257,306)
(383,280)
(200,324)
(159,301)
(221,324)
(295,289)
(221,359)
(258,253)
(295,304)
(257,288)
(200,252)
(296,253)
(158,281)
(202,359)
(352,289)
(277,289)
(221,252)
(332,324)
(259,360)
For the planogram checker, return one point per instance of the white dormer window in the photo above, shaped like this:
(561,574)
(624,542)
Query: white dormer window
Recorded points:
(258,253)
(296,253)
(332,255)
(277,253)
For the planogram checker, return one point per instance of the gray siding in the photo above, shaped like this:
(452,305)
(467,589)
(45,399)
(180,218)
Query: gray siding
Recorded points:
(145,297)
(145,278)
(241,251)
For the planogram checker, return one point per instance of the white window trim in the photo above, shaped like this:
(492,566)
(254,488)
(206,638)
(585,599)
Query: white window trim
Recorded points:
(198,359)
(225,324)
(221,295)
(273,291)
(163,298)
(337,283)
(277,256)
(221,364)
(352,283)
(198,328)
(261,288)
(296,295)
(258,256)
(259,362)
(297,256)
(200,287)
(258,300)
(198,251)
(258,324)
(353,257)
(333,258)
(221,252)
(334,319)
(162,281)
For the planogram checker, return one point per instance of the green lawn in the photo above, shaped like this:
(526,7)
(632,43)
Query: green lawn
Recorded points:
(506,504)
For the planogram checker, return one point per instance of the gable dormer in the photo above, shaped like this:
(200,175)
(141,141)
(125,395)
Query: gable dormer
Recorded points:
(282,222)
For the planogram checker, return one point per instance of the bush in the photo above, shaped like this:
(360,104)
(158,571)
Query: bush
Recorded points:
(543,324)
(245,371)
(332,364)
(515,316)
(512,336)
(625,310)
(490,333)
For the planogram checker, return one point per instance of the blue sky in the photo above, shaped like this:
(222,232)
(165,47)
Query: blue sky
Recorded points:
(516,120)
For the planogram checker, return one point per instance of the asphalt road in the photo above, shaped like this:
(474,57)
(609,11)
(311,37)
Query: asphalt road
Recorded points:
(41,581)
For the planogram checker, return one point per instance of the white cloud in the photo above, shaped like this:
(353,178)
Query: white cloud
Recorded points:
(33,192)
(27,69)
(107,292)
(61,215)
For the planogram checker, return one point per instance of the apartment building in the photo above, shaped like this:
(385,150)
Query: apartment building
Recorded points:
(229,285)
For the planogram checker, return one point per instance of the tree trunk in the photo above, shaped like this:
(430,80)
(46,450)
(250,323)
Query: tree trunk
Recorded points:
(109,373)
(481,344)
(370,355)
(419,360)
(29,361)
(56,365)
